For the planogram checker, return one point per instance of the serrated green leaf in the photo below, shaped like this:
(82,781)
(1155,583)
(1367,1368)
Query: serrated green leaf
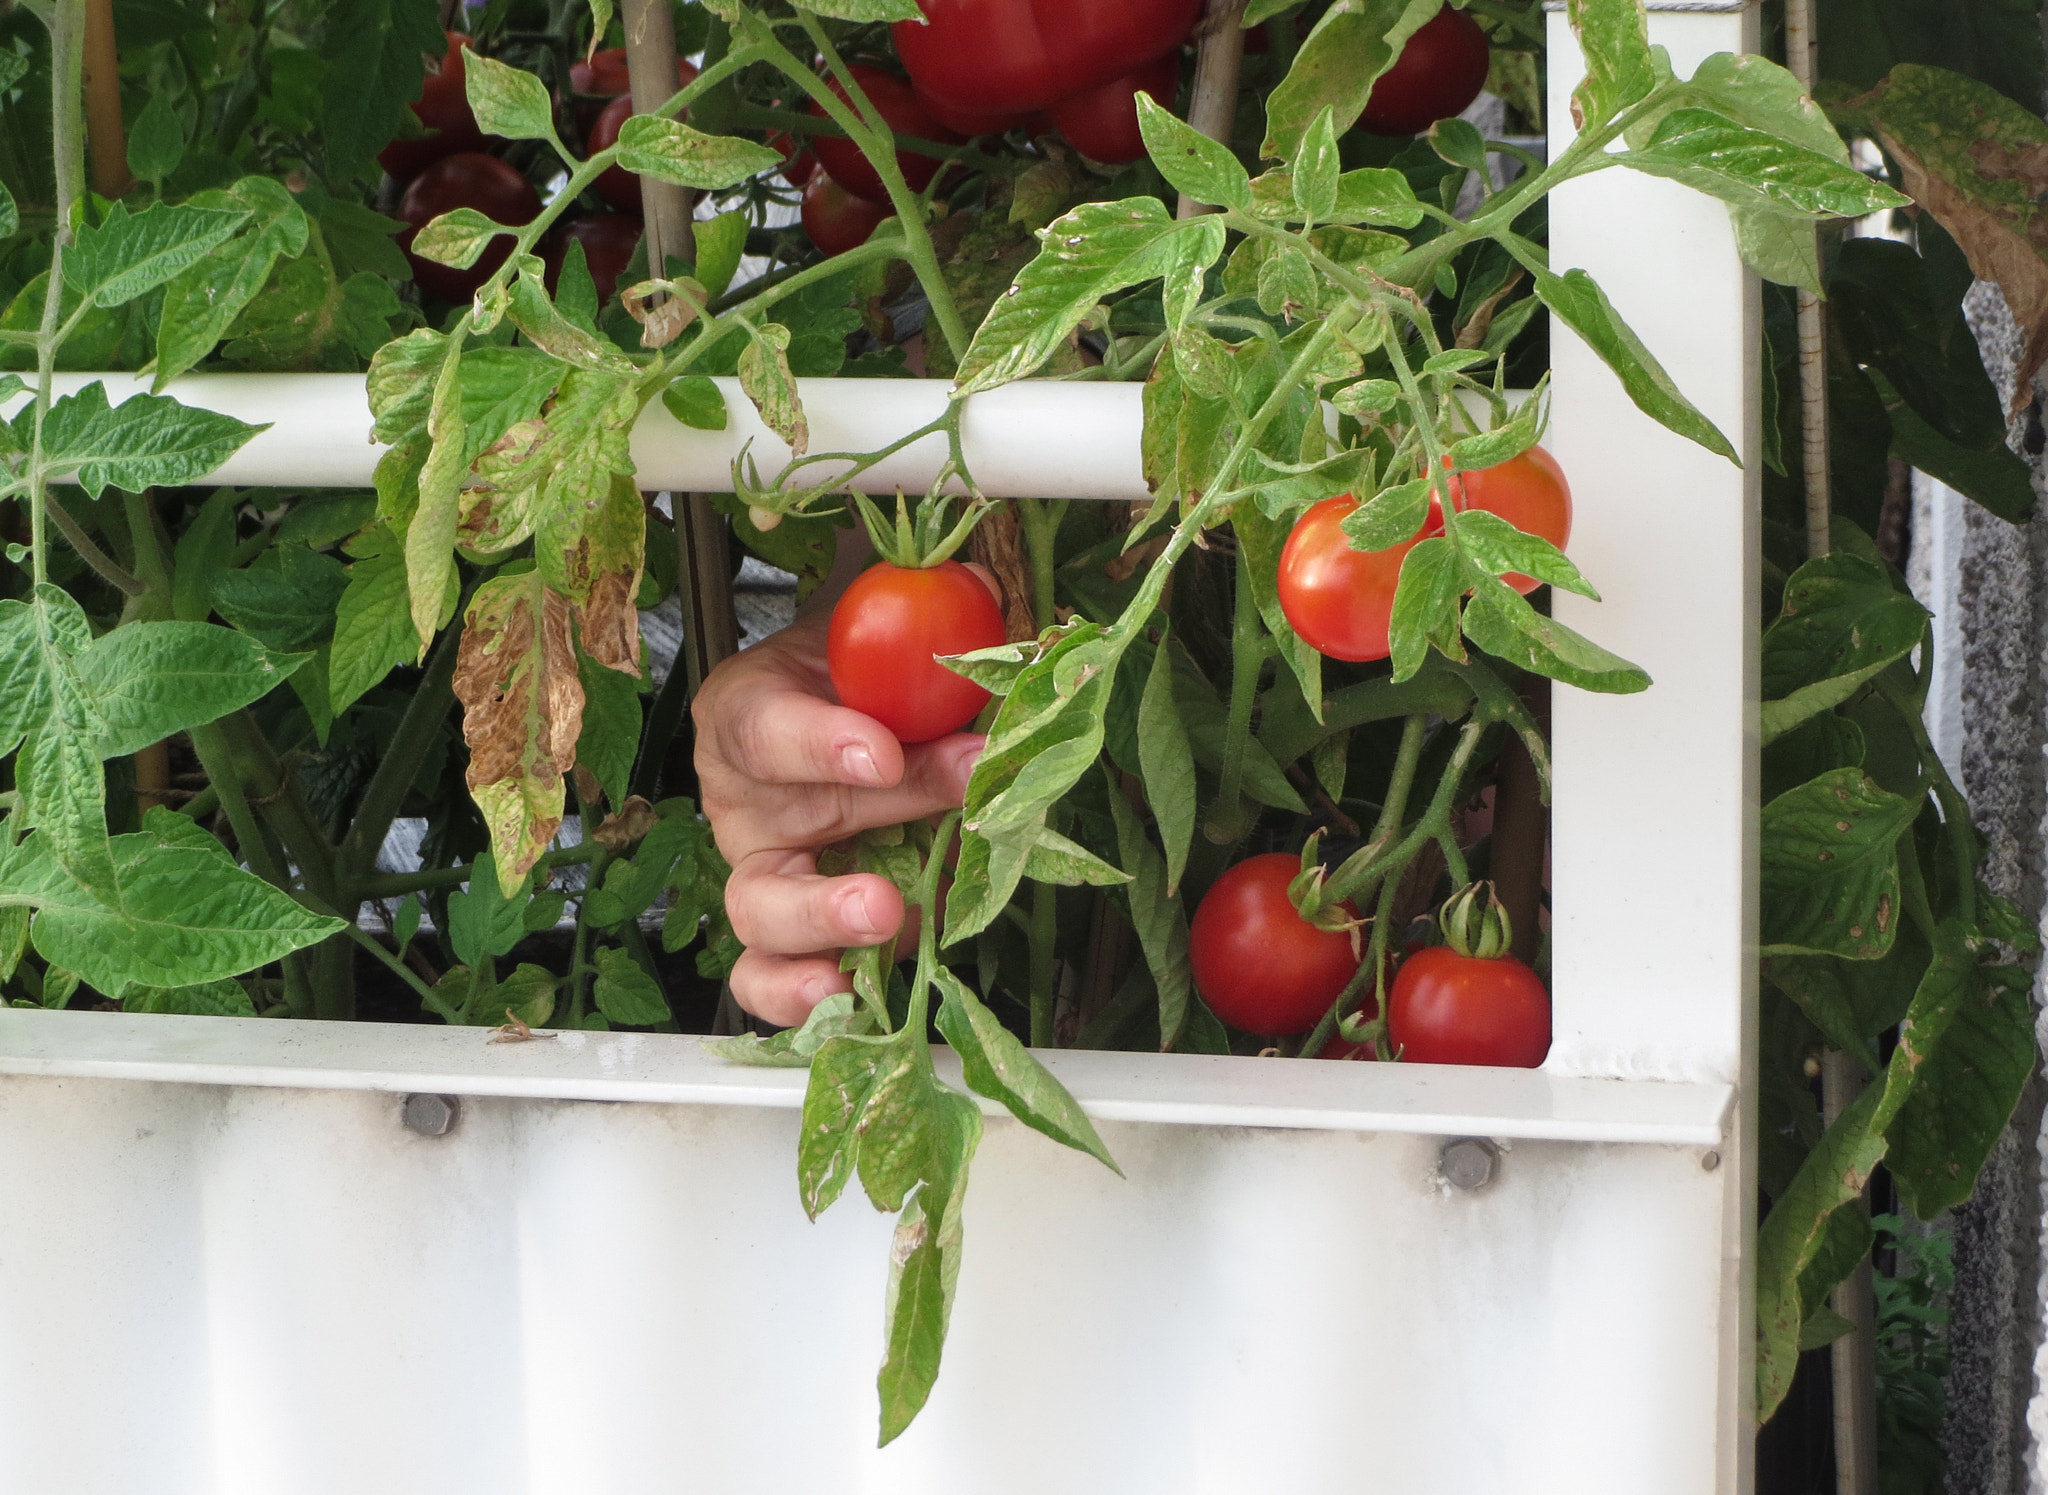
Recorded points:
(1055,858)
(673,152)
(156,142)
(1614,40)
(126,254)
(996,1064)
(610,738)
(457,238)
(1713,154)
(1351,45)
(373,631)
(1317,168)
(1842,622)
(1425,604)
(626,994)
(486,918)
(146,441)
(1501,621)
(924,1264)
(534,314)
(204,299)
(150,680)
(1496,546)
(287,599)
(1095,250)
(505,100)
(1190,161)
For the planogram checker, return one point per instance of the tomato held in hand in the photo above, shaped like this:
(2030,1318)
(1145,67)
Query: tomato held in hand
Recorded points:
(1102,122)
(1529,492)
(1438,74)
(835,219)
(1468,1001)
(1338,599)
(990,56)
(442,107)
(608,241)
(905,113)
(1256,961)
(887,628)
(467,180)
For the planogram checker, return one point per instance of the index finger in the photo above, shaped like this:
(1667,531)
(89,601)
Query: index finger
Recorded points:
(777,734)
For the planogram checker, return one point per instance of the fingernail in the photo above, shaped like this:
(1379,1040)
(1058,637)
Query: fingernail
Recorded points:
(813,990)
(853,908)
(859,764)
(963,763)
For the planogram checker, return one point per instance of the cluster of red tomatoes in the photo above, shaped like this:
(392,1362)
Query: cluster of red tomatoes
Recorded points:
(455,166)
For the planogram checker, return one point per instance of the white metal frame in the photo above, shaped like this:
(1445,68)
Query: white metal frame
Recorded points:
(230,1270)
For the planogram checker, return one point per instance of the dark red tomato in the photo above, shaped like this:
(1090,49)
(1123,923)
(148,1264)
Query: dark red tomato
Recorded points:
(619,187)
(906,115)
(797,165)
(989,56)
(1339,599)
(1102,122)
(972,122)
(604,75)
(1256,961)
(468,180)
(885,631)
(1448,1008)
(1530,493)
(443,107)
(835,219)
(1438,74)
(608,241)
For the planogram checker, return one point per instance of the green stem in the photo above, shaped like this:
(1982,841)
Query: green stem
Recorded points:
(1231,817)
(424,714)
(110,570)
(926,899)
(376,947)
(1045,915)
(755,116)
(218,761)
(66,23)
(1041,520)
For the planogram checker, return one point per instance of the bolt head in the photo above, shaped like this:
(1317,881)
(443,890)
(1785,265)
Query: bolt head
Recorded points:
(1469,1163)
(429,1115)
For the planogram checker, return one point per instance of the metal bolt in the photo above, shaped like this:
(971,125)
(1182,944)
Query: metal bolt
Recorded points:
(1710,1161)
(429,1115)
(1469,1163)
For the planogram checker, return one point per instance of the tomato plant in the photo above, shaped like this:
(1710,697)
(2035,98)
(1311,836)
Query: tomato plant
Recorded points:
(835,219)
(905,113)
(886,630)
(1258,964)
(488,185)
(1438,74)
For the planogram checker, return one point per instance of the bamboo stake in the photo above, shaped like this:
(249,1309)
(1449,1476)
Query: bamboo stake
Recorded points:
(651,70)
(1213,105)
(1853,1357)
(106,138)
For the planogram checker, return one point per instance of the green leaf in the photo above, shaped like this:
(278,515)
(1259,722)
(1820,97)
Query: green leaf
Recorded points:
(845,1072)
(610,738)
(430,538)
(1841,624)
(175,915)
(1996,476)
(1168,765)
(721,241)
(1459,142)
(1830,874)
(1497,547)
(1577,301)
(527,994)
(146,441)
(1055,858)
(1426,604)
(126,254)
(505,100)
(1158,917)
(1614,39)
(373,631)
(864,10)
(765,376)
(375,52)
(627,994)
(1376,194)
(631,886)
(26,701)
(203,300)
(1966,1088)
(306,321)
(485,918)
(1501,621)
(696,401)
(1097,249)
(997,1065)
(1713,154)
(150,680)
(671,152)
(1190,161)
(1353,43)
(538,317)
(287,599)
(156,142)
(1389,517)
(224,998)
(458,237)
(924,1264)
(1261,539)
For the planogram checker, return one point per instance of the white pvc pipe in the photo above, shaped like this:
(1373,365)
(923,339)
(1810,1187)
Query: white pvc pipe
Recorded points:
(1037,438)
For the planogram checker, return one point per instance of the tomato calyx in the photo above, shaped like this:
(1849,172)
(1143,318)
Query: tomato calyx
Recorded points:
(917,542)
(1312,898)
(1475,924)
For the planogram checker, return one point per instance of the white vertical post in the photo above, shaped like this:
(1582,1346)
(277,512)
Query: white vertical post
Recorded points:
(1654,839)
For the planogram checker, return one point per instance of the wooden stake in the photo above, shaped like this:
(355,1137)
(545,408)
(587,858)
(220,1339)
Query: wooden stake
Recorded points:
(106,138)
(651,70)
(1213,105)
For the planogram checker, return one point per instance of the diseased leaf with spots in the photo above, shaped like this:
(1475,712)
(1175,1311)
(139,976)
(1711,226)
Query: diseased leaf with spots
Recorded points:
(1830,874)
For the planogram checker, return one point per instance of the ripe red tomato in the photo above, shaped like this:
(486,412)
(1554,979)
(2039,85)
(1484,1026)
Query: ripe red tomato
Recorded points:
(1448,1008)
(1256,961)
(835,219)
(1438,74)
(905,113)
(988,56)
(797,165)
(617,186)
(1102,122)
(608,241)
(1528,491)
(1339,599)
(443,107)
(468,180)
(885,631)
(972,122)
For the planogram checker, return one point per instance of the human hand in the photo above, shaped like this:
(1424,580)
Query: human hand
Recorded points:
(783,771)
